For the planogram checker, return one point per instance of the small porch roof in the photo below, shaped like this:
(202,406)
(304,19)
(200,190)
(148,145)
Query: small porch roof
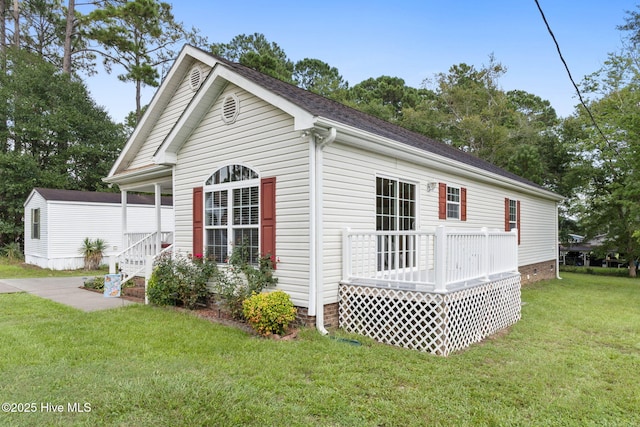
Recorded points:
(144,179)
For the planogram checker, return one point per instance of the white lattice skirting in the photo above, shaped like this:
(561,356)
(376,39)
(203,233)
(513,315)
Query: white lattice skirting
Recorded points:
(432,322)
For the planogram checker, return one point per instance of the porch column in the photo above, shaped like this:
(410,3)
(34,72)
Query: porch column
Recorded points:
(158,195)
(123,202)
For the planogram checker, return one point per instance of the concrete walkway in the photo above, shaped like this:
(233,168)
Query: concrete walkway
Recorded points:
(65,290)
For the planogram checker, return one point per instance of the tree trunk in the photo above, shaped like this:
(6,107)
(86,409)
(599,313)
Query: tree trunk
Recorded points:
(632,268)
(3,30)
(66,59)
(138,96)
(16,23)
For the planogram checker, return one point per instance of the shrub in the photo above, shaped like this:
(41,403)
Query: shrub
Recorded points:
(180,280)
(12,252)
(95,283)
(92,251)
(242,279)
(269,312)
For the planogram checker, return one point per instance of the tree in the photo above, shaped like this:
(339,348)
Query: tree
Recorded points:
(319,77)
(256,52)
(55,136)
(141,36)
(385,97)
(608,144)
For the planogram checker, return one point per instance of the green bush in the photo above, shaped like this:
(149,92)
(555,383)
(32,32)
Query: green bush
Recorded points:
(92,251)
(269,312)
(596,271)
(180,280)
(95,283)
(241,279)
(12,252)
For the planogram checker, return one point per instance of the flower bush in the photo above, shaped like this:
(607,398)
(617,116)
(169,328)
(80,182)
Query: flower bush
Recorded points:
(181,280)
(241,279)
(269,312)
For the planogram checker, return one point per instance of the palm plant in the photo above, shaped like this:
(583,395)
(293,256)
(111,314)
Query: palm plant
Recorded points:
(92,251)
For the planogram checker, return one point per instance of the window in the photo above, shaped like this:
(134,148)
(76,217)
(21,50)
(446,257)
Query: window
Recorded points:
(231,212)
(512,216)
(35,223)
(395,211)
(452,202)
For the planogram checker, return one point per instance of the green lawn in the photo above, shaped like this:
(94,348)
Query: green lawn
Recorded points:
(18,270)
(573,359)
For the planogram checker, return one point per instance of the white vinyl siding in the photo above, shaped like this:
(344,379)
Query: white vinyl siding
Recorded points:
(64,226)
(350,201)
(167,120)
(262,138)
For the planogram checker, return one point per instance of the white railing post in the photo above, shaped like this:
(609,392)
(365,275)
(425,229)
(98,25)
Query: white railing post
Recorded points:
(112,264)
(441,259)
(486,255)
(515,249)
(148,270)
(346,254)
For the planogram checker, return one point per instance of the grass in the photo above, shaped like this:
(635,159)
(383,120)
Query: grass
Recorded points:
(20,270)
(572,360)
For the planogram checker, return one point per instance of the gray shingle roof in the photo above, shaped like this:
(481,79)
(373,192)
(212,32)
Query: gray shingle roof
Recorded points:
(323,107)
(52,194)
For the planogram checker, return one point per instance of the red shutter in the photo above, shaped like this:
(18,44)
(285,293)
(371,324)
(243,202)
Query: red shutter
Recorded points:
(442,201)
(268,218)
(463,204)
(506,215)
(198,245)
(518,219)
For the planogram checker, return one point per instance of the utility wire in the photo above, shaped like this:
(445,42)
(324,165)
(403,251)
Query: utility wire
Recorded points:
(593,120)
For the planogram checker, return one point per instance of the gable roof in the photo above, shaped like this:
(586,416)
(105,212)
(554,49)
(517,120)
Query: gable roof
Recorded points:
(309,109)
(52,194)
(323,107)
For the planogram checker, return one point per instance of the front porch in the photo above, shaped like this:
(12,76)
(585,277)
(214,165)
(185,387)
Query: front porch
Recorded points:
(438,290)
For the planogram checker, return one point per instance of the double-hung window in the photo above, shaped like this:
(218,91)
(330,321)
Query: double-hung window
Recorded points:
(395,211)
(512,215)
(452,202)
(231,212)
(35,223)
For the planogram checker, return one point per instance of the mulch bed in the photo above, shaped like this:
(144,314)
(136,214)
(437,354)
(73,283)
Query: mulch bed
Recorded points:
(213,315)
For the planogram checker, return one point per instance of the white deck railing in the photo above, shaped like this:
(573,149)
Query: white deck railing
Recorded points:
(140,246)
(440,260)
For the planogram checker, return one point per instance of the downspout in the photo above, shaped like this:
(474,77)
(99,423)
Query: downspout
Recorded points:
(320,143)
(311,310)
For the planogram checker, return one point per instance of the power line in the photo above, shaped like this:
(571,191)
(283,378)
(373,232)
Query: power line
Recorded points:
(593,120)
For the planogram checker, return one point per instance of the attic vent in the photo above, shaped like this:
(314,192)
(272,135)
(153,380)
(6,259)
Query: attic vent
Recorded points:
(230,106)
(195,78)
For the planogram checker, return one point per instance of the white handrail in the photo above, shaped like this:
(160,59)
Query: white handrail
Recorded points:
(436,259)
(132,260)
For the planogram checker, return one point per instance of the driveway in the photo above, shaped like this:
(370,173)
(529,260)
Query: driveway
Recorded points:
(65,290)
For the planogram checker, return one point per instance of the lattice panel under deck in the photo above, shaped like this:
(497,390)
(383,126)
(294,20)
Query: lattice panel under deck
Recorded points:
(437,323)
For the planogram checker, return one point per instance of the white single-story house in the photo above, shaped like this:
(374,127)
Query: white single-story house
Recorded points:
(374,228)
(56,222)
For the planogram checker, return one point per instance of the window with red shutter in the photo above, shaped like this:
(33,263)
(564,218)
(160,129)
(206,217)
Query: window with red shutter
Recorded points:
(452,202)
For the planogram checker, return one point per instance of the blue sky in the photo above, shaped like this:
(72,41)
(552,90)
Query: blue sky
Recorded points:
(414,40)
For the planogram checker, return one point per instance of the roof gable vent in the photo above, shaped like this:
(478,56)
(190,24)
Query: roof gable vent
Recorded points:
(230,107)
(195,78)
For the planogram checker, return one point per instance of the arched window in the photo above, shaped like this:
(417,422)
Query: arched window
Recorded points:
(232,212)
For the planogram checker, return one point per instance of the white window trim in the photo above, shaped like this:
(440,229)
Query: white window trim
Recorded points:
(458,203)
(229,187)
(398,179)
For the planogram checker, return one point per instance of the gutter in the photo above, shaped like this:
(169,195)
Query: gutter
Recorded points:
(317,143)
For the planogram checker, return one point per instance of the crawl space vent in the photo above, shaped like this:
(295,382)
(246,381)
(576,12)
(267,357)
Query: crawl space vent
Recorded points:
(230,106)
(195,78)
